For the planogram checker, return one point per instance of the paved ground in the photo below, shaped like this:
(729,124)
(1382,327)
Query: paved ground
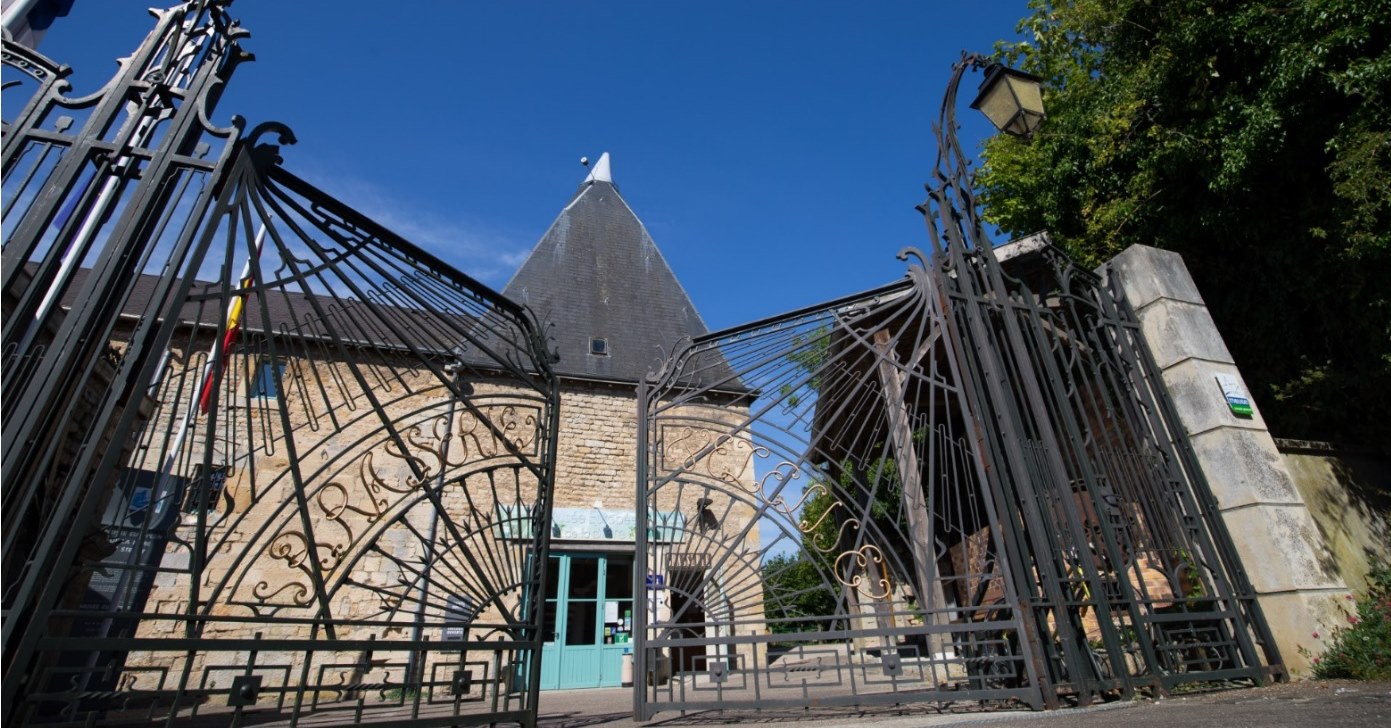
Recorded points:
(1290,705)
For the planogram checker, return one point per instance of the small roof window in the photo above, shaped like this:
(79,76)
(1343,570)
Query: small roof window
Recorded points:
(599,347)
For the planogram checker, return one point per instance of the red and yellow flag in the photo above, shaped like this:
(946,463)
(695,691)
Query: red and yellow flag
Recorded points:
(234,319)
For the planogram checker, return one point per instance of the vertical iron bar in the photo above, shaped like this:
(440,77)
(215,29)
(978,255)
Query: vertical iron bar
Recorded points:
(641,594)
(974,406)
(428,566)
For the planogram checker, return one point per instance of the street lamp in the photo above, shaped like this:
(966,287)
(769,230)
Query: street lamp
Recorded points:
(1012,100)
(1014,103)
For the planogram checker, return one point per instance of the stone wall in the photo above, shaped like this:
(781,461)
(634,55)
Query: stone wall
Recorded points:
(597,456)
(1349,495)
(354,519)
(1276,537)
(352,522)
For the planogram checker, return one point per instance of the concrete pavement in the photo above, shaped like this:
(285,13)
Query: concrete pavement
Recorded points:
(1321,703)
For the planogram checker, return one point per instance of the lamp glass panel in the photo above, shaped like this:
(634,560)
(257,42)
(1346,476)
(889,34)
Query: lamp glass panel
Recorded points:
(998,104)
(1030,122)
(1028,92)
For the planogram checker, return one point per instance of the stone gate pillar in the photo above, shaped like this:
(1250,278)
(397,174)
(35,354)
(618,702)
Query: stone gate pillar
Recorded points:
(1289,566)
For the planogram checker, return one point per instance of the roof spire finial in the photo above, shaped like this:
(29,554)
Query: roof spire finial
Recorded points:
(601,172)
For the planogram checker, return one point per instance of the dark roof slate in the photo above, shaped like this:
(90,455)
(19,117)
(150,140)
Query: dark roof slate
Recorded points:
(291,313)
(596,273)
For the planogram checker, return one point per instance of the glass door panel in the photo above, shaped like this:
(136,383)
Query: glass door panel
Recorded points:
(587,620)
(584,577)
(580,619)
(552,624)
(617,618)
(579,666)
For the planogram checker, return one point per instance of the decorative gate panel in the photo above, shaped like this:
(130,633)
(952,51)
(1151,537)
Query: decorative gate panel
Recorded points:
(264,459)
(969,485)
(1132,576)
(818,528)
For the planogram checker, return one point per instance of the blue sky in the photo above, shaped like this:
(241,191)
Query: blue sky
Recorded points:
(775,150)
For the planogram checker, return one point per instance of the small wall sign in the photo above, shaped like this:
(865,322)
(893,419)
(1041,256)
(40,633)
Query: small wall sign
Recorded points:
(1237,398)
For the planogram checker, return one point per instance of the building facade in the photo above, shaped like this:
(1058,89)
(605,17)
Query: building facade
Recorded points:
(614,308)
(298,502)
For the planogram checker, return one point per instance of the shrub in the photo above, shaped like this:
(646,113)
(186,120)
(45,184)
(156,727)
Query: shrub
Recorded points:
(1362,650)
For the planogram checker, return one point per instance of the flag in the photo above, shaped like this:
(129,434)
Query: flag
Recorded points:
(233,327)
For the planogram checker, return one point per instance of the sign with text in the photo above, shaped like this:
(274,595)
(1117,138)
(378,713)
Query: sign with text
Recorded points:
(1237,399)
(593,524)
(688,562)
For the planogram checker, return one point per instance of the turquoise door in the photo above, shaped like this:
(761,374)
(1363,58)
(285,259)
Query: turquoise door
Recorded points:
(588,617)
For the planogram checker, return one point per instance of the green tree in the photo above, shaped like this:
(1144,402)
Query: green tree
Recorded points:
(1254,138)
(793,585)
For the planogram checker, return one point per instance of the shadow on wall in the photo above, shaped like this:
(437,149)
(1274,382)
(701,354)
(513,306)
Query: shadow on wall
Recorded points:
(1349,494)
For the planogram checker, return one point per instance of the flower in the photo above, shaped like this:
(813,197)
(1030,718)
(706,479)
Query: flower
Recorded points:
(1316,635)
(1352,619)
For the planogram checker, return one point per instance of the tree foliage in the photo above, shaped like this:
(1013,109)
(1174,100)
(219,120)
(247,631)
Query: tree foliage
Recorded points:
(794,585)
(1254,138)
(799,585)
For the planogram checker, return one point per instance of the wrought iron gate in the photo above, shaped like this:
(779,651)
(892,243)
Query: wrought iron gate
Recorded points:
(263,458)
(806,479)
(968,485)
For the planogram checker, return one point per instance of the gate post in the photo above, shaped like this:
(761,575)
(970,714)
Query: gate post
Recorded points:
(1299,595)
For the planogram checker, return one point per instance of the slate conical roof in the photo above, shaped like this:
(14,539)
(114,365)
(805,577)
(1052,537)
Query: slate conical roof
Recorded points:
(597,274)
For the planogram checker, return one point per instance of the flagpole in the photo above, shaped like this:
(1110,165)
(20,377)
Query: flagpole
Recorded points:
(219,354)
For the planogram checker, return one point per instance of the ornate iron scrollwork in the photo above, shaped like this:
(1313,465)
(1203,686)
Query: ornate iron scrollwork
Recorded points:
(322,428)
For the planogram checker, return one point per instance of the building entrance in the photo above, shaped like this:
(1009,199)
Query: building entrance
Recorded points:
(588,619)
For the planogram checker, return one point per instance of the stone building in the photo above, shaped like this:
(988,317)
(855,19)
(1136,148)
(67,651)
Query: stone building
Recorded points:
(310,507)
(615,309)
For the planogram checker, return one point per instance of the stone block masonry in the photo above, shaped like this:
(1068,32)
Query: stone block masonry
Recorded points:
(596,458)
(1275,536)
(363,521)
